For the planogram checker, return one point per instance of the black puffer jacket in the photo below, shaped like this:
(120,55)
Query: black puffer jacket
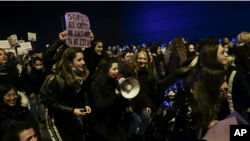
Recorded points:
(64,103)
(107,106)
(32,82)
(49,54)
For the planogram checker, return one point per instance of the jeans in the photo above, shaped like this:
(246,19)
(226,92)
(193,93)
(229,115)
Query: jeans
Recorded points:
(36,105)
(140,119)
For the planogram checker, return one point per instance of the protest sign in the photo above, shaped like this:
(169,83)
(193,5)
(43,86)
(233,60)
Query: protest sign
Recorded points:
(221,131)
(31,36)
(4,44)
(21,41)
(77,27)
(13,41)
(26,46)
(22,51)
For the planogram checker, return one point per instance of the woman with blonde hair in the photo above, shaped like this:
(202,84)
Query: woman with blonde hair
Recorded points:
(65,107)
(176,55)
(139,108)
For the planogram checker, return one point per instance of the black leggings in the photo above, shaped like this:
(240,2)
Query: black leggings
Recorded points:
(101,133)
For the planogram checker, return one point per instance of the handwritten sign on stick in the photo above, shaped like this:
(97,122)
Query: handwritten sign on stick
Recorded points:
(31,36)
(22,51)
(77,27)
(26,46)
(13,41)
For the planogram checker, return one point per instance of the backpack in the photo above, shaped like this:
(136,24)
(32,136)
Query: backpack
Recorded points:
(48,79)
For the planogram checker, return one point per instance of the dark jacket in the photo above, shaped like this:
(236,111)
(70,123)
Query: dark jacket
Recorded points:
(238,92)
(49,54)
(63,104)
(11,76)
(107,106)
(20,113)
(32,82)
(150,89)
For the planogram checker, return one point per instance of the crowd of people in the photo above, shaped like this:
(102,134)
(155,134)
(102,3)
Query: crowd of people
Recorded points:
(186,87)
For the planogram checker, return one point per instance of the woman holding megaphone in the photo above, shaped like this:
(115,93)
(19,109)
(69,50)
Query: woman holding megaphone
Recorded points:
(140,67)
(107,103)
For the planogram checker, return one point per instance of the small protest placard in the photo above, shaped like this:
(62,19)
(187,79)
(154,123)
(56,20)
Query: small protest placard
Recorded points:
(4,44)
(22,51)
(26,46)
(21,41)
(77,27)
(31,36)
(13,41)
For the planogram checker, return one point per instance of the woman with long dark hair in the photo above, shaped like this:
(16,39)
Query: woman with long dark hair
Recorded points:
(94,55)
(107,103)
(210,54)
(53,53)
(193,103)
(12,107)
(190,50)
(65,107)
(158,58)
(140,107)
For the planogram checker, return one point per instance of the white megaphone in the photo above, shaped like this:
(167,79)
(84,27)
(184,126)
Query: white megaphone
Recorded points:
(130,87)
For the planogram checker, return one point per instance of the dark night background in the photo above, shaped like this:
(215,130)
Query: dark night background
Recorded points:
(126,22)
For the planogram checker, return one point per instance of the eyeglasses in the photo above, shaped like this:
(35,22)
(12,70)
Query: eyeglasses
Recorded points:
(10,96)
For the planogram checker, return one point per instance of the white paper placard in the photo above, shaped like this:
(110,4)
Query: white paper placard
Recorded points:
(31,36)
(13,41)
(4,44)
(26,46)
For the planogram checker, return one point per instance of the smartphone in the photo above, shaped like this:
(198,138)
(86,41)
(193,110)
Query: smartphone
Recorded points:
(84,111)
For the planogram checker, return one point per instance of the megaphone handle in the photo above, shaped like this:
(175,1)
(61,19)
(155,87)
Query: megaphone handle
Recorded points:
(118,87)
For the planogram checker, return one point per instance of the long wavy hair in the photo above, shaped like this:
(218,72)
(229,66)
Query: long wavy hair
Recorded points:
(208,55)
(133,64)
(178,46)
(207,99)
(65,69)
